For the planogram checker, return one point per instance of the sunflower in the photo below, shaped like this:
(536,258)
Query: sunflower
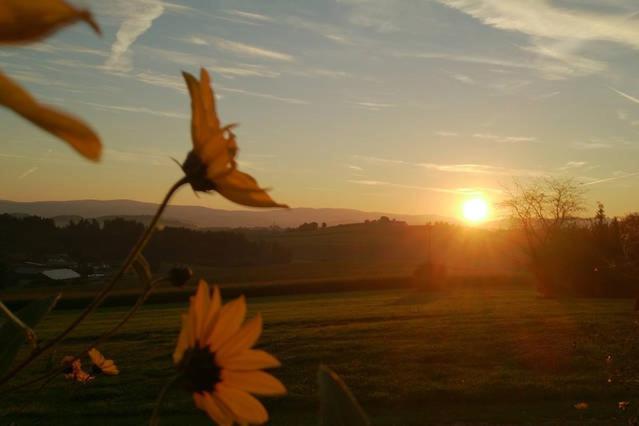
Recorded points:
(101,365)
(211,165)
(72,370)
(25,21)
(215,359)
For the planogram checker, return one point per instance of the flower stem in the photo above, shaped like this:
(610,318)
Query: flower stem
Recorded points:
(155,417)
(28,332)
(137,248)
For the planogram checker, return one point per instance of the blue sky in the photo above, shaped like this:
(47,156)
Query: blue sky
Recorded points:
(386,105)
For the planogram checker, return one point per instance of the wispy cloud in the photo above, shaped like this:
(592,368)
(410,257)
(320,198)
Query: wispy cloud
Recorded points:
(250,15)
(455,191)
(374,106)
(446,134)
(254,51)
(612,178)
(592,145)
(463,78)
(573,165)
(625,95)
(139,16)
(504,139)
(136,109)
(294,101)
(27,172)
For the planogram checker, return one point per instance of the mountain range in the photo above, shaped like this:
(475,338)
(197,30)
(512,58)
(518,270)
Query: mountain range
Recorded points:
(201,217)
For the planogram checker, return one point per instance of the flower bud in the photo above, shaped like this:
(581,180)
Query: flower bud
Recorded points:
(180,275)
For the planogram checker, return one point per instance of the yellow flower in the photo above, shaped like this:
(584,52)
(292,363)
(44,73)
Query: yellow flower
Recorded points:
(101,365)
(72,370)
(211,165)
(581,405)
(214,355)
(25,21)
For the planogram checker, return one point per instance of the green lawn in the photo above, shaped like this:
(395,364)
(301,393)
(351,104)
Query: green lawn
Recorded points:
(470,357)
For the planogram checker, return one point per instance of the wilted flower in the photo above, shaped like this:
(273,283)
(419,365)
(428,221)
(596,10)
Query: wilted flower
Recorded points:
(72,370)
(25,21)
(101,365)
(581,405)
(211,165)
(214,355)
(180,275)
(623,405)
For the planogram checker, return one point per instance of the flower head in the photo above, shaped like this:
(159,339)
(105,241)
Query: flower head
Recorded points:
(581,405)
(215,358)
(101,365)
(72,370)
(211,165)
(24,21)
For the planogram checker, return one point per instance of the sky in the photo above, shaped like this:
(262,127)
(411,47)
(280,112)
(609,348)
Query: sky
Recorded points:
(398,106)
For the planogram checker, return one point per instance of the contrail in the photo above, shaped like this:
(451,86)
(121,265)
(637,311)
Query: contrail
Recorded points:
(610,178)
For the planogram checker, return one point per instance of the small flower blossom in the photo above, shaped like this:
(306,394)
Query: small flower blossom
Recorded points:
(214,356)
(581,405)
(23,21)
(101,365)
(623,405)
(211,165)
(72,370)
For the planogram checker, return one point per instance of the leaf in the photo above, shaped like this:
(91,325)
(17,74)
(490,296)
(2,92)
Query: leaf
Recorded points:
(70,129)
(27,21)
(338,406)
(12,336)
(143,270)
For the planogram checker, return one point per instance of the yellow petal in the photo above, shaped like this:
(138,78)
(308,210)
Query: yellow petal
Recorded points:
(208,100)
(243,189)
(245,408)
(250,359)
(256,382)
(183,340)
(200,305)
(96,357)
(244,339)
(27,20)
(213,407)
(70,129)
(214,309)
(228,323)
(199,128)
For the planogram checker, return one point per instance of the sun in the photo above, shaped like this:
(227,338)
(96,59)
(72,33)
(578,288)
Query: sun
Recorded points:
(475,210)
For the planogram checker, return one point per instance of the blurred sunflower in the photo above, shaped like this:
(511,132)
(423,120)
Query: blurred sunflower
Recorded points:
(23,21)
(211,165)
(215,359)
(101,365)
(72,370)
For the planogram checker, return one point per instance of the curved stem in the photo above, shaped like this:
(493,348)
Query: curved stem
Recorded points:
(139,246)
(155,417)
(28,332)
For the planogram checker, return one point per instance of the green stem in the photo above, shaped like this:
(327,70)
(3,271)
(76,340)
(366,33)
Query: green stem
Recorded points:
(28,332)
(155,417)
(139,246)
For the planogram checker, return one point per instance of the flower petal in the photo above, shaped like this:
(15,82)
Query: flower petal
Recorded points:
(200,305)
(70,129)
(244,339)
(256,382)
(244,407)
(198,121)
(250,359)
(217,412)
(96,357)
(214,309)
(25,21)
(243,189)
(208,100)
(228,323)
(183,340)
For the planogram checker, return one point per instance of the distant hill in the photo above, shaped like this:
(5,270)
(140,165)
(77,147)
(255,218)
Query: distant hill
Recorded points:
(201,217)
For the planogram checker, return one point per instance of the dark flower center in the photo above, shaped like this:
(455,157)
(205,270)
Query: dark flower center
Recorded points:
(199,369)
(195,170)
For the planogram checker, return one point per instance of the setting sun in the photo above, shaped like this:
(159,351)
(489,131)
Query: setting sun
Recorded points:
(475,210)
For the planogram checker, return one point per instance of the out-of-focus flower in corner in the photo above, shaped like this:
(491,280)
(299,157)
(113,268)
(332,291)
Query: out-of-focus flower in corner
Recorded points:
(623,405)
(581,405)
(215,358)
(101,365)
(72,370)
(211,165)
(27,21)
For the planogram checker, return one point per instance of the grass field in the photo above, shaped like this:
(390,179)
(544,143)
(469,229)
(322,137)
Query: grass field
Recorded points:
(484,356)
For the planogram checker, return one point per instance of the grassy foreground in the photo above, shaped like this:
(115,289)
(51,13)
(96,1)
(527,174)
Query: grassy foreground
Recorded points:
(469,357)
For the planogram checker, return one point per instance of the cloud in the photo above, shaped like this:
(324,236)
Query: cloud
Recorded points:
(375,106)
(139,16)
(463,79)
(354,167)
(609,179)
(573,165)
(446,134)
(625,95)
(591,145)
(294,101)
(326,31)
(456,191)
(254,51)
(27,172)
(142,110)
(504,139)
(250,15)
